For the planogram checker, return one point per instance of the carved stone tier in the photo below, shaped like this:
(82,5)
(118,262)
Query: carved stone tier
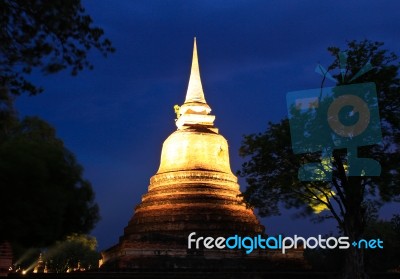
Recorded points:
(182,202)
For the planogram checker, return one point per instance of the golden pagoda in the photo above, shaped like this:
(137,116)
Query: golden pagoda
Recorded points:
(194,190)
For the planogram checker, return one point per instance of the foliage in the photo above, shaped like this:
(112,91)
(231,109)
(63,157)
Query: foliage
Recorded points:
(44,196)
(381,260)
(271,169)
(325,260)
(389,257)
(47,35)
(75,250)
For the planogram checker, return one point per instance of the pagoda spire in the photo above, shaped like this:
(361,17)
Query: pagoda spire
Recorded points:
(195,110)
(195,91)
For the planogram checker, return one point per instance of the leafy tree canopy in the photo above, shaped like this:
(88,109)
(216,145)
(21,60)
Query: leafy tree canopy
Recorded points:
(44,196)
(76,253)
(47,35)
(271,169)
(381,260)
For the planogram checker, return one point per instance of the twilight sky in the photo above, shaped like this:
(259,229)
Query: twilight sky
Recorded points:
(251,53)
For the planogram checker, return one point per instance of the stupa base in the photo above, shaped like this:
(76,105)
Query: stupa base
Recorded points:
(138,255)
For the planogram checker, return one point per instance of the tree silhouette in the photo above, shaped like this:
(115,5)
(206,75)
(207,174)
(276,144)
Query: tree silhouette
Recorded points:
(271,169)
(47,35)
(44,196)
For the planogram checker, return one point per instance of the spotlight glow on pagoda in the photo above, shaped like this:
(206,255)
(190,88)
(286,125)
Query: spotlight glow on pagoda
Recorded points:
(194,190)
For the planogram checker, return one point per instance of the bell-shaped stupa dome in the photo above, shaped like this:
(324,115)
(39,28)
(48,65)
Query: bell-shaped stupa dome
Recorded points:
(194,189)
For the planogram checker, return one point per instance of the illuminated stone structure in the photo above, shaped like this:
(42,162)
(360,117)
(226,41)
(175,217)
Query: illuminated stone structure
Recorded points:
(194,190)
(6,258)
(40,266)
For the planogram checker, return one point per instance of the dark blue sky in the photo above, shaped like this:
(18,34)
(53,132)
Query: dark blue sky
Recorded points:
(116,117)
